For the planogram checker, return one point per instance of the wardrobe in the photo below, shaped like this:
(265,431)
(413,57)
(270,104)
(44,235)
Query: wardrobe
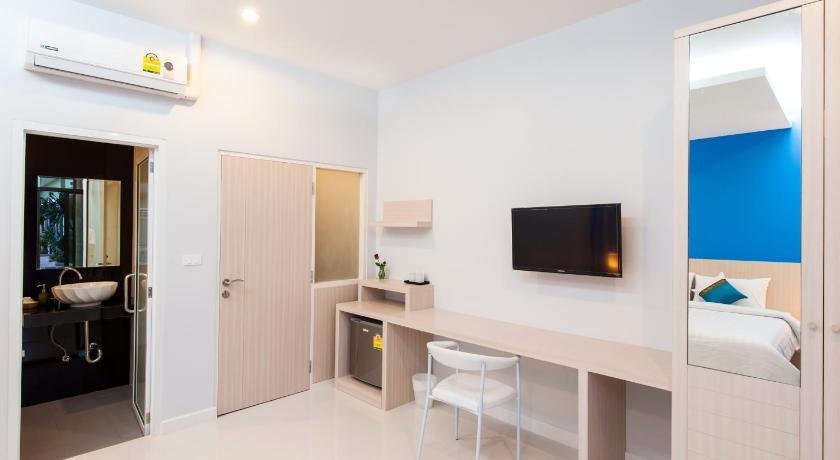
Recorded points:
(756,293)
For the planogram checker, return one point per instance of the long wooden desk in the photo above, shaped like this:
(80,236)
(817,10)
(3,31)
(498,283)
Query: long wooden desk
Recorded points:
(603,367)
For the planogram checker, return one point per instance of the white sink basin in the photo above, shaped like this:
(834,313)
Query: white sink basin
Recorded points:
(79,295)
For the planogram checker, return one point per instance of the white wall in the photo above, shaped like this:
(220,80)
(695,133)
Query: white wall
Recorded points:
(248,104)
(579,115)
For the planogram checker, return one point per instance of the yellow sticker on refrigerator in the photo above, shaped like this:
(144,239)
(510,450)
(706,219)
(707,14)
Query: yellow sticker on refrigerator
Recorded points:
(151,63)
(377,342)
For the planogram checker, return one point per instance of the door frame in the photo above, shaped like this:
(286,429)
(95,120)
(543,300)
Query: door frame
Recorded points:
(363,189)
(157,149)
(831,444)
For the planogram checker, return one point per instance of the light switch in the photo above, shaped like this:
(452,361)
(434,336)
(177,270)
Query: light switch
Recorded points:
(191,260)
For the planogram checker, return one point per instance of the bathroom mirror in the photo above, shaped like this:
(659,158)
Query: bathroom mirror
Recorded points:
(745,198)
(78,222)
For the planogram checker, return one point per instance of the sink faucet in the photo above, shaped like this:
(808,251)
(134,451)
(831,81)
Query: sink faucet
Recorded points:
(61,278)
(68,269)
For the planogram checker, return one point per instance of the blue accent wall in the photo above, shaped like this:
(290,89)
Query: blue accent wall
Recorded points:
(745,196)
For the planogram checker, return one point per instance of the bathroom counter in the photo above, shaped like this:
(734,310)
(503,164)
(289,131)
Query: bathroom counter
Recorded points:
(48,316)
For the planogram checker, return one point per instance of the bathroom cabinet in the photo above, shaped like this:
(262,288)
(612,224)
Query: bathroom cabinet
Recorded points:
(48,316)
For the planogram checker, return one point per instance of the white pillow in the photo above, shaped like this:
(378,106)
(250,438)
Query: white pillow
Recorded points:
(754,289)
(702,282)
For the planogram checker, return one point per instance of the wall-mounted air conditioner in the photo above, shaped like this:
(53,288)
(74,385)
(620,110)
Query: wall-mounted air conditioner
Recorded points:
(80,54)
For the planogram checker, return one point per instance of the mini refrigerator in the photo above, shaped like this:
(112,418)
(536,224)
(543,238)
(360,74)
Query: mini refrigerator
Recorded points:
(366,350)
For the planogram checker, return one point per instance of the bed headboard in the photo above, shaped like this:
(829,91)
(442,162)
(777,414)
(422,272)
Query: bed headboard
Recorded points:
(785,291)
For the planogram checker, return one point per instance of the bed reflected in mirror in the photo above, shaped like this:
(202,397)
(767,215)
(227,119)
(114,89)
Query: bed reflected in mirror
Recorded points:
(745,198)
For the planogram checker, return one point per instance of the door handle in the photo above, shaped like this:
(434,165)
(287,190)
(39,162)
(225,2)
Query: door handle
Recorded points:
(143,289)
(227,281)
(835,328)
(126,292)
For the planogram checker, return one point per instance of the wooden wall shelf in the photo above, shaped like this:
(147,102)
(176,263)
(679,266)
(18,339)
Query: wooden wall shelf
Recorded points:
(405,214)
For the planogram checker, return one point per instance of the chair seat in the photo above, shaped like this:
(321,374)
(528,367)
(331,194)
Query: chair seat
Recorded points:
(464,390)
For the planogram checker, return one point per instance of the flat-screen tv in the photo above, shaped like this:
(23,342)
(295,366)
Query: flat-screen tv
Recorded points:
(579,240)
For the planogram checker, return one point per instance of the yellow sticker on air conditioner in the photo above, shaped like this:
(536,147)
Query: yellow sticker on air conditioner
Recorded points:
(377,342)
(151,63)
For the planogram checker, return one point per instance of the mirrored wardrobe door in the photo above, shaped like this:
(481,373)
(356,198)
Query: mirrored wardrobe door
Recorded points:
(745,198)
(754,243)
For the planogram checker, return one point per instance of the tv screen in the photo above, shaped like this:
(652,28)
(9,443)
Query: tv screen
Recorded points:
(580,240)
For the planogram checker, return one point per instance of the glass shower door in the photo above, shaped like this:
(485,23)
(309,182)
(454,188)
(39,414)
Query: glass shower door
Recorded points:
(140,373)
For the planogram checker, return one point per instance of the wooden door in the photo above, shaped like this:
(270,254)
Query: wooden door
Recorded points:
(264,308)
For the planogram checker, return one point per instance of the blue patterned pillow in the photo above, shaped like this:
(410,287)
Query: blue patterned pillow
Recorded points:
(721,292)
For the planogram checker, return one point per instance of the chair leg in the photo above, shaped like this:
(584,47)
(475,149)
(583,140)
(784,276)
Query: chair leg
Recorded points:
(478,438)
(457,412)
(423,427)
(518,427)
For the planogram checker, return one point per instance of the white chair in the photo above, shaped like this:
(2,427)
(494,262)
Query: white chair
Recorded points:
(473,393)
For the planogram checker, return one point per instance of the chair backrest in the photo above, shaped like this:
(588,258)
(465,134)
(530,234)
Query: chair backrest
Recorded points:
(443,353)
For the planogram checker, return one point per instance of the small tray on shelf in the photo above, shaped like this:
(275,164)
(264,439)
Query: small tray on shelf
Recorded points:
(416,283)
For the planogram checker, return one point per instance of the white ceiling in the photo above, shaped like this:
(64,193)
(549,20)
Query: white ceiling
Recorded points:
(743,102)
(373,43)
(747,77)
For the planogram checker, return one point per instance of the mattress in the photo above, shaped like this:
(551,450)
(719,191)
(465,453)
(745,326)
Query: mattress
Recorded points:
(755,342)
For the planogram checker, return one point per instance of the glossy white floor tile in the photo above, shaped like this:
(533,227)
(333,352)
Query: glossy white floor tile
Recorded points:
(72,426)
(324,423)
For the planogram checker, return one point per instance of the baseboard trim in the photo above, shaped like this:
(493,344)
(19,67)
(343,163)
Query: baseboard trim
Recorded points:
(540,428)
(187,420)
(501,414)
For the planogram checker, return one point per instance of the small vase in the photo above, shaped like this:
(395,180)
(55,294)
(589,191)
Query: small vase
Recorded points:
(382,272)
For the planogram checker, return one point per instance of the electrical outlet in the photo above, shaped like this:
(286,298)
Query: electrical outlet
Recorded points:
(191,260)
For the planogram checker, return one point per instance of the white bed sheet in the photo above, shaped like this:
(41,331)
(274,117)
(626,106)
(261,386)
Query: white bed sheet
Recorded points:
(755,342)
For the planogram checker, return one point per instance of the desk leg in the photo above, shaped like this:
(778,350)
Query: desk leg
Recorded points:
(405,355)
(602,417)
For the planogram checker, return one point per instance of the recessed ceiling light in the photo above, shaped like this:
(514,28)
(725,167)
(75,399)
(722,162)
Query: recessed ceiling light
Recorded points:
(250,15)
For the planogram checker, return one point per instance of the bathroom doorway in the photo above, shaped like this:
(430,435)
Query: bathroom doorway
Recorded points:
(86,284)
